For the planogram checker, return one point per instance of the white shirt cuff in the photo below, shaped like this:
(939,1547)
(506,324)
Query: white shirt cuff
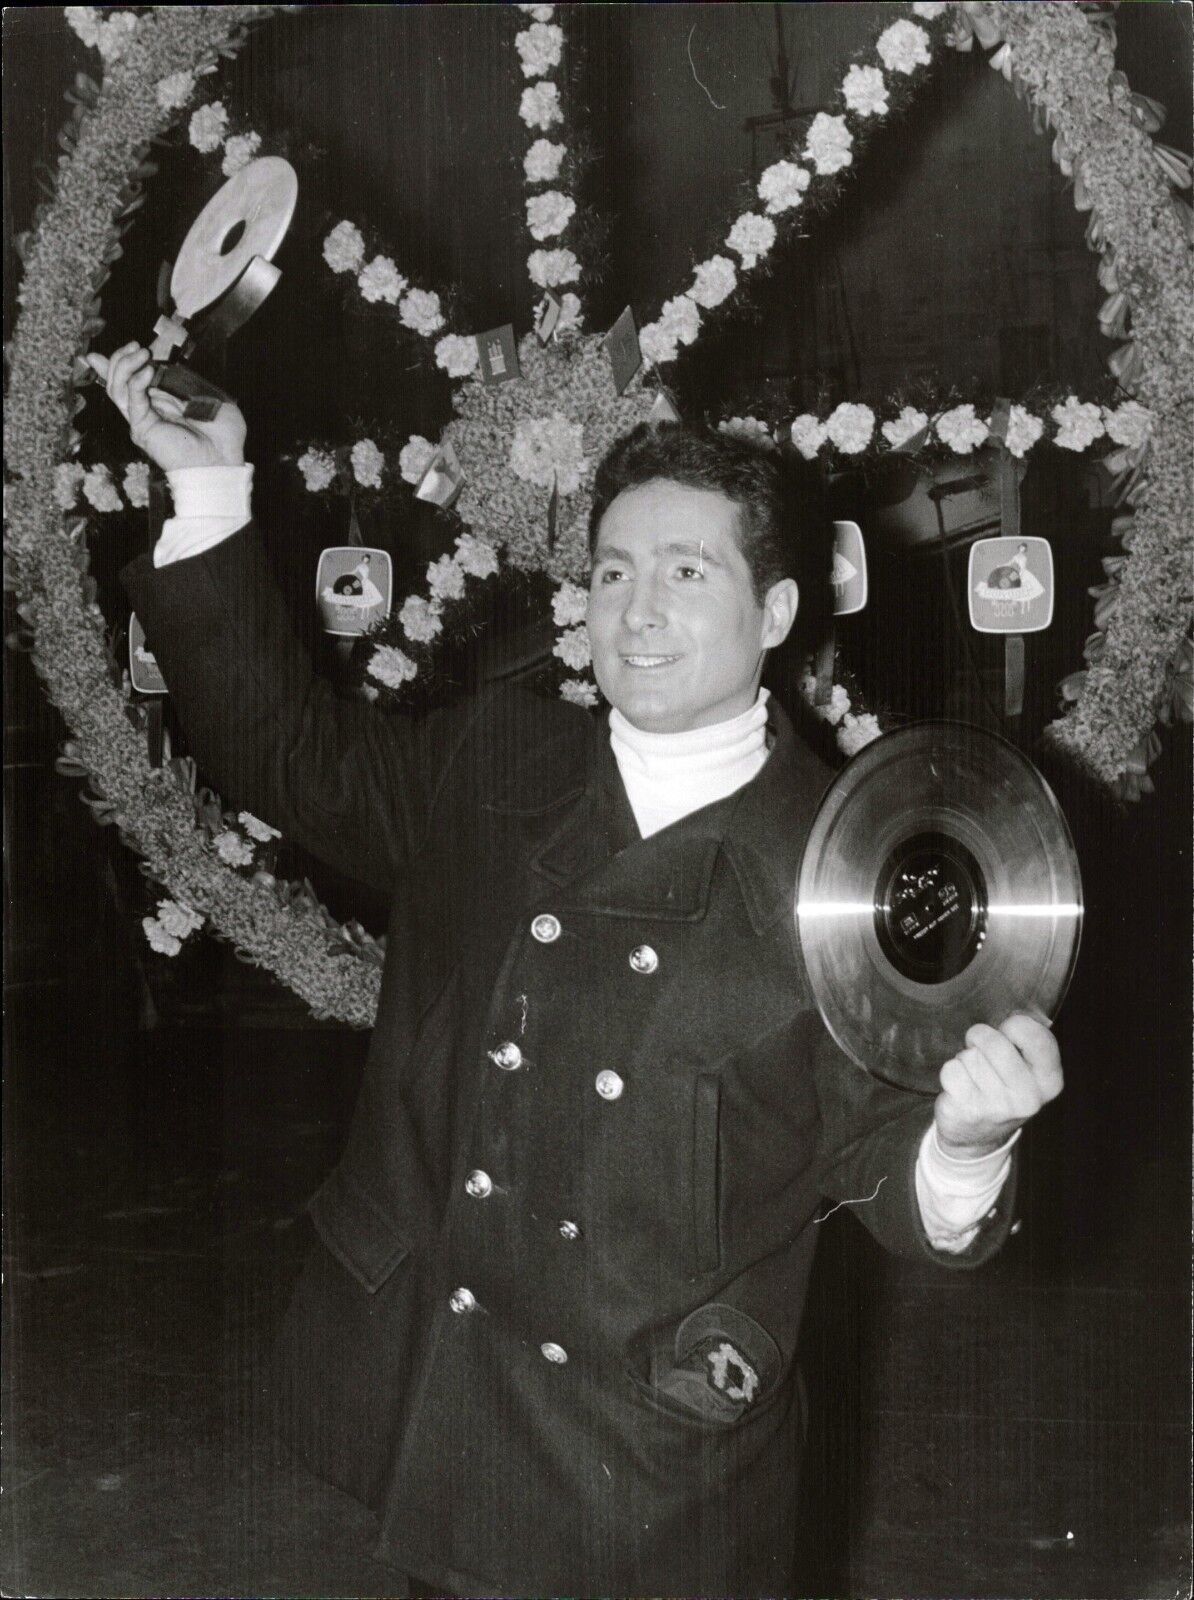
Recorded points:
(955,1194)
(209,504)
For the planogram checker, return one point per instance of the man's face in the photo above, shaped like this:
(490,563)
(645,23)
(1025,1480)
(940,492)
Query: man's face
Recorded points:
(676,632)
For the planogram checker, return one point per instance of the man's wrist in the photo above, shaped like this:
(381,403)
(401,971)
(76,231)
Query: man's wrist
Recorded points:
(964,1151)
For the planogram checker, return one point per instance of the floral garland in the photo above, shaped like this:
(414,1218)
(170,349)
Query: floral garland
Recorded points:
(98,188)
(1056,56)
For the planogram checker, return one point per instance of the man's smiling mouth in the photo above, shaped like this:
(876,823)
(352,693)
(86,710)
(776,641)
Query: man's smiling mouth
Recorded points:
(649,661)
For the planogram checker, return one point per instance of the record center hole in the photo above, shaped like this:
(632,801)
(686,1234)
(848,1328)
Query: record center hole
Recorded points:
(931,908)
(233,237)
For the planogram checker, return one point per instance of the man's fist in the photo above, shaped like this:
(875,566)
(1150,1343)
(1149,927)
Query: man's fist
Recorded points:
(156,422)
(1003,1077)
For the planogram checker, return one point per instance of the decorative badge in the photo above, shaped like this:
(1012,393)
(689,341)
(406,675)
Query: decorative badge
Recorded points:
(440,484)
(547,316)
(499,354)
(144,673)
(621,346)
(1010,585)
(353,585)
(849,572)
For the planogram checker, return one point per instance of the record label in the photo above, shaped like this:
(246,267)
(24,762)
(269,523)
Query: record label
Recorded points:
(939,888)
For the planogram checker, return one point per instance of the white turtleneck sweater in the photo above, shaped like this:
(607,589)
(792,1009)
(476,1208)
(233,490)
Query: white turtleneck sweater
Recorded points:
(667,775)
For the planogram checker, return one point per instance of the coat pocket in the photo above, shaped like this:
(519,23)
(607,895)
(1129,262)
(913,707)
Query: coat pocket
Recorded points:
(704,1220)
(358,1233)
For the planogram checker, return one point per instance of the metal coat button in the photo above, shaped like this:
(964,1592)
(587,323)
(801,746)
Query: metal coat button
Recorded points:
(569,1230)
(554,1352)
(479,1184)
(608,1085)
(643,959)
(462,1300)
(507,1056)
(546,928)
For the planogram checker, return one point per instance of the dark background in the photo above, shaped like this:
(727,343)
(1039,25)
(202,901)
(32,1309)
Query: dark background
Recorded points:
(1020,1431)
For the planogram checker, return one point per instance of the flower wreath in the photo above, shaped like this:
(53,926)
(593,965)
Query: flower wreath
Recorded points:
(1059,57)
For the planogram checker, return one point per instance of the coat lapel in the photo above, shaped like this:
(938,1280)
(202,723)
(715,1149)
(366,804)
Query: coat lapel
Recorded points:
(609,869)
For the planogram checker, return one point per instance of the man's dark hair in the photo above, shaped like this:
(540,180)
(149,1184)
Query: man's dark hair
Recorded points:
(700,458)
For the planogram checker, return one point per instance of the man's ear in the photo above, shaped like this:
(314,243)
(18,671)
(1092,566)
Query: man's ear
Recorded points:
(779,612)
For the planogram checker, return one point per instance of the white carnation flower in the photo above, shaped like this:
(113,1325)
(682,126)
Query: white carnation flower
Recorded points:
(207,127)
(657,343)
(445,579)
(960,429)
(549,213)
(239,151)
(751,237)
(457,355)
(549,450)
(906,426)
(930,10)
(421,312)
(752,429)
(135,484)
(416,456)
(85,22)
(420,619)
(174,91)
(99,490)
(115,34)
(256,829)
(549,268)
(864,90)
(570,315)
(850,427)
(1129,425)
(178,920)
(855,732)
(539,48)
(829,143)
(782,186)
(1023,431)
(1079,424)
(540,106)
(578,692)
(903,46)
(681,318)
(381,280)
(68,475)
(714,281)
(540,13)
(344,248)
(573,648)
(165,944)
(232,849)
(832,710)
(475,557)
(808,435)
(391,666)
(318,468)
(569,605)
(367,463)
(542,162)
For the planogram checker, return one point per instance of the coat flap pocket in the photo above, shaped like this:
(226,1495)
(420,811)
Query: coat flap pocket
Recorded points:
(363,1239)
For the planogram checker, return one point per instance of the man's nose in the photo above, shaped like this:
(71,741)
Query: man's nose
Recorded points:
(644,607)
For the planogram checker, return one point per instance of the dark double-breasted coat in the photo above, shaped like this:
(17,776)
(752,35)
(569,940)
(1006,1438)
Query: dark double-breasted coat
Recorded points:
(549,1328)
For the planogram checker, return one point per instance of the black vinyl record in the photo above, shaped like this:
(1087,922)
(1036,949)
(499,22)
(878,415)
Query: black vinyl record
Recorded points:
(939,888)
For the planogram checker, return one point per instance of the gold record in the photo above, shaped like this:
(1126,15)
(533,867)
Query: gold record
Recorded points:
(939,888)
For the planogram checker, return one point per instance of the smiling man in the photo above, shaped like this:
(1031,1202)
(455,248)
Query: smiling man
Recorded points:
(548,1327)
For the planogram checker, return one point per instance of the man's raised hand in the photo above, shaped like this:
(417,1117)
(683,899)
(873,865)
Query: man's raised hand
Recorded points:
(1002,1077)
(156,422)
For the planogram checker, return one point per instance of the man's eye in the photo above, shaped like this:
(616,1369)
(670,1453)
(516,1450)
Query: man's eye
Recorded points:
(611,575)
(689,571)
